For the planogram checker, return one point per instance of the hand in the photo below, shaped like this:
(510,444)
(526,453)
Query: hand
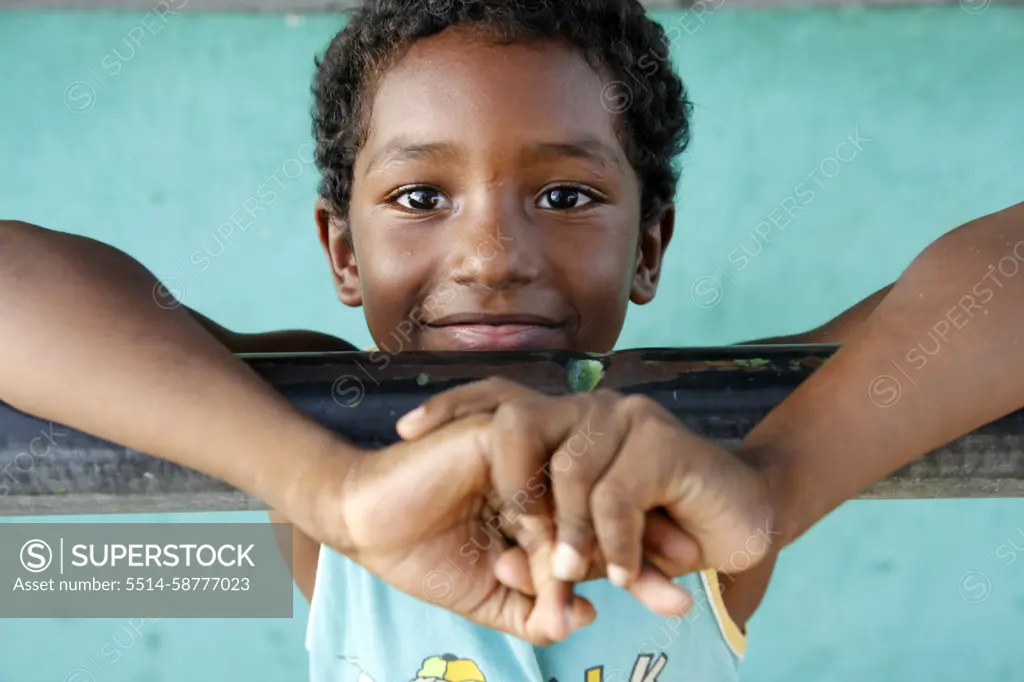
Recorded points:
(613,461)
(417,516)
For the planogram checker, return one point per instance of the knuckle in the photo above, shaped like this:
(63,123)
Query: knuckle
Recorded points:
(606,395)
(634,405)
(578,403)
(514,415)
(496,383)
(573,475)
(504,387)
(575,527)
(611,498)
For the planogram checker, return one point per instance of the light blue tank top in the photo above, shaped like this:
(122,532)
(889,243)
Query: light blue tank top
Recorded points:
(363,630)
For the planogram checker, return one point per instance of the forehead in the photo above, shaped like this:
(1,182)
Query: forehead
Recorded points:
(458,84)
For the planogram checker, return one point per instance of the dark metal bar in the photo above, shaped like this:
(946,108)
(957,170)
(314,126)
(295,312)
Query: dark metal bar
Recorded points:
(720,392)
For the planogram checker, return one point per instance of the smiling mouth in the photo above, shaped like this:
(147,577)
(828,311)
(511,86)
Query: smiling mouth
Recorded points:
(498,332)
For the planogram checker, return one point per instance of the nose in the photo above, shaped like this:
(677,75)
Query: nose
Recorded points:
(492,247)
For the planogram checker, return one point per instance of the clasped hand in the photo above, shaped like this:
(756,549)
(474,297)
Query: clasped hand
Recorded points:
(587,485)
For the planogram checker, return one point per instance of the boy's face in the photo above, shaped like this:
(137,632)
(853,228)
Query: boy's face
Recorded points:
(493,207)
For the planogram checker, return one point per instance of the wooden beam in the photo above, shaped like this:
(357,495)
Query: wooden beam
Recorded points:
(721,393)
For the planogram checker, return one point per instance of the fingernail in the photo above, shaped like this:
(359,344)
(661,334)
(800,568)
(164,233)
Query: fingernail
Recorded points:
(618,575)
(409,418)
(566,563)
(568,620)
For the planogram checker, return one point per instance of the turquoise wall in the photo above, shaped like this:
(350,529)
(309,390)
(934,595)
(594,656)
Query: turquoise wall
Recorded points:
(152,148)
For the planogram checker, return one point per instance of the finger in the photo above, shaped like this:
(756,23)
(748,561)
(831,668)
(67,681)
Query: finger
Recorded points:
(553,614)
(519,463)
(513,612)
(670,548)
(659,593)
(576,467)
(619,528)
(479,396)
(632,486)
(521,438)
(513,569)
(666,546)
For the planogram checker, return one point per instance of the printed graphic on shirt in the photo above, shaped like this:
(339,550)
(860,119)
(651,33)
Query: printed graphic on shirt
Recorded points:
(644,670)
(451,668)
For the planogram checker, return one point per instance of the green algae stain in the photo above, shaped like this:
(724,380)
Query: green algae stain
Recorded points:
(423,379)
(754,362)
(584,375)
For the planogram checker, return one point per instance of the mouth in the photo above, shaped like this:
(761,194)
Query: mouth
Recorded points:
(478,331)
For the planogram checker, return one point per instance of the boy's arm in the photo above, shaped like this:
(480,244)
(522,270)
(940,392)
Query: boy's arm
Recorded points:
(836,330)
(83,342)
(935,356)
(305,552)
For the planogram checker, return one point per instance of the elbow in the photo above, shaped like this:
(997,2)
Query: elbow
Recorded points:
(11,230)
(992,245)
(17,235)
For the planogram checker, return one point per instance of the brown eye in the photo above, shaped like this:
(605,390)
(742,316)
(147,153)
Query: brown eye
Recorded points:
(564,198)
(421,199)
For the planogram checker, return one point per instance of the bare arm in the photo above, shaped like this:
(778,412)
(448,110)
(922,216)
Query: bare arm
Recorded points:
(838,329)
(80,315)
(305,552)
(935,356)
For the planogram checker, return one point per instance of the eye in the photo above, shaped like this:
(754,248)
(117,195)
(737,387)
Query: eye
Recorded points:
(564,198)
(421,199)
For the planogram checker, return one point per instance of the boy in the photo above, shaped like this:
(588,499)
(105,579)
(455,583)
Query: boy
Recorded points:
(474,185)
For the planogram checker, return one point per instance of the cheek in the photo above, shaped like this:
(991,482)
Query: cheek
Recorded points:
(390,275)
(607,266)
(602,281)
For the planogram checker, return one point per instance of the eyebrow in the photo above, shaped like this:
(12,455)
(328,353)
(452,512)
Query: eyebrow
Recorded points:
(401,150)
(588,149)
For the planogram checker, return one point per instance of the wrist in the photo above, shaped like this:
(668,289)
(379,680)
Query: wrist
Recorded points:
(305,479)
(785,501)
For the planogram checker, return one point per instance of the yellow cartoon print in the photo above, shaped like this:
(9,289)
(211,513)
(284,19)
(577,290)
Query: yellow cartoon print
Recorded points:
(449,668)
(444,668)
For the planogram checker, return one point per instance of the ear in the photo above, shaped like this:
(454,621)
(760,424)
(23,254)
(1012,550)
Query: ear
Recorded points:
(654,239)
(336,239)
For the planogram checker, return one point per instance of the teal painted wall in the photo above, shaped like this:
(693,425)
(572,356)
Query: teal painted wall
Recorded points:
(153,149)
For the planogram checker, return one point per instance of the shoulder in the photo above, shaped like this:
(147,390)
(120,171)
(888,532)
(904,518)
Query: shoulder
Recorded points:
(285,341)
(291,341)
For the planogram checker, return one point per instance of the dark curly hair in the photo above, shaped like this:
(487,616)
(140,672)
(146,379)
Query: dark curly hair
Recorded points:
(615,36)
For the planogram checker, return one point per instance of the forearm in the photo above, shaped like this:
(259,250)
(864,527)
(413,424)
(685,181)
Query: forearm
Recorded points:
(941,355)
(83,343)
(302,554)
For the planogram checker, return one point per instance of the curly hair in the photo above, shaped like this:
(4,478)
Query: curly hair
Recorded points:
(616,37)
